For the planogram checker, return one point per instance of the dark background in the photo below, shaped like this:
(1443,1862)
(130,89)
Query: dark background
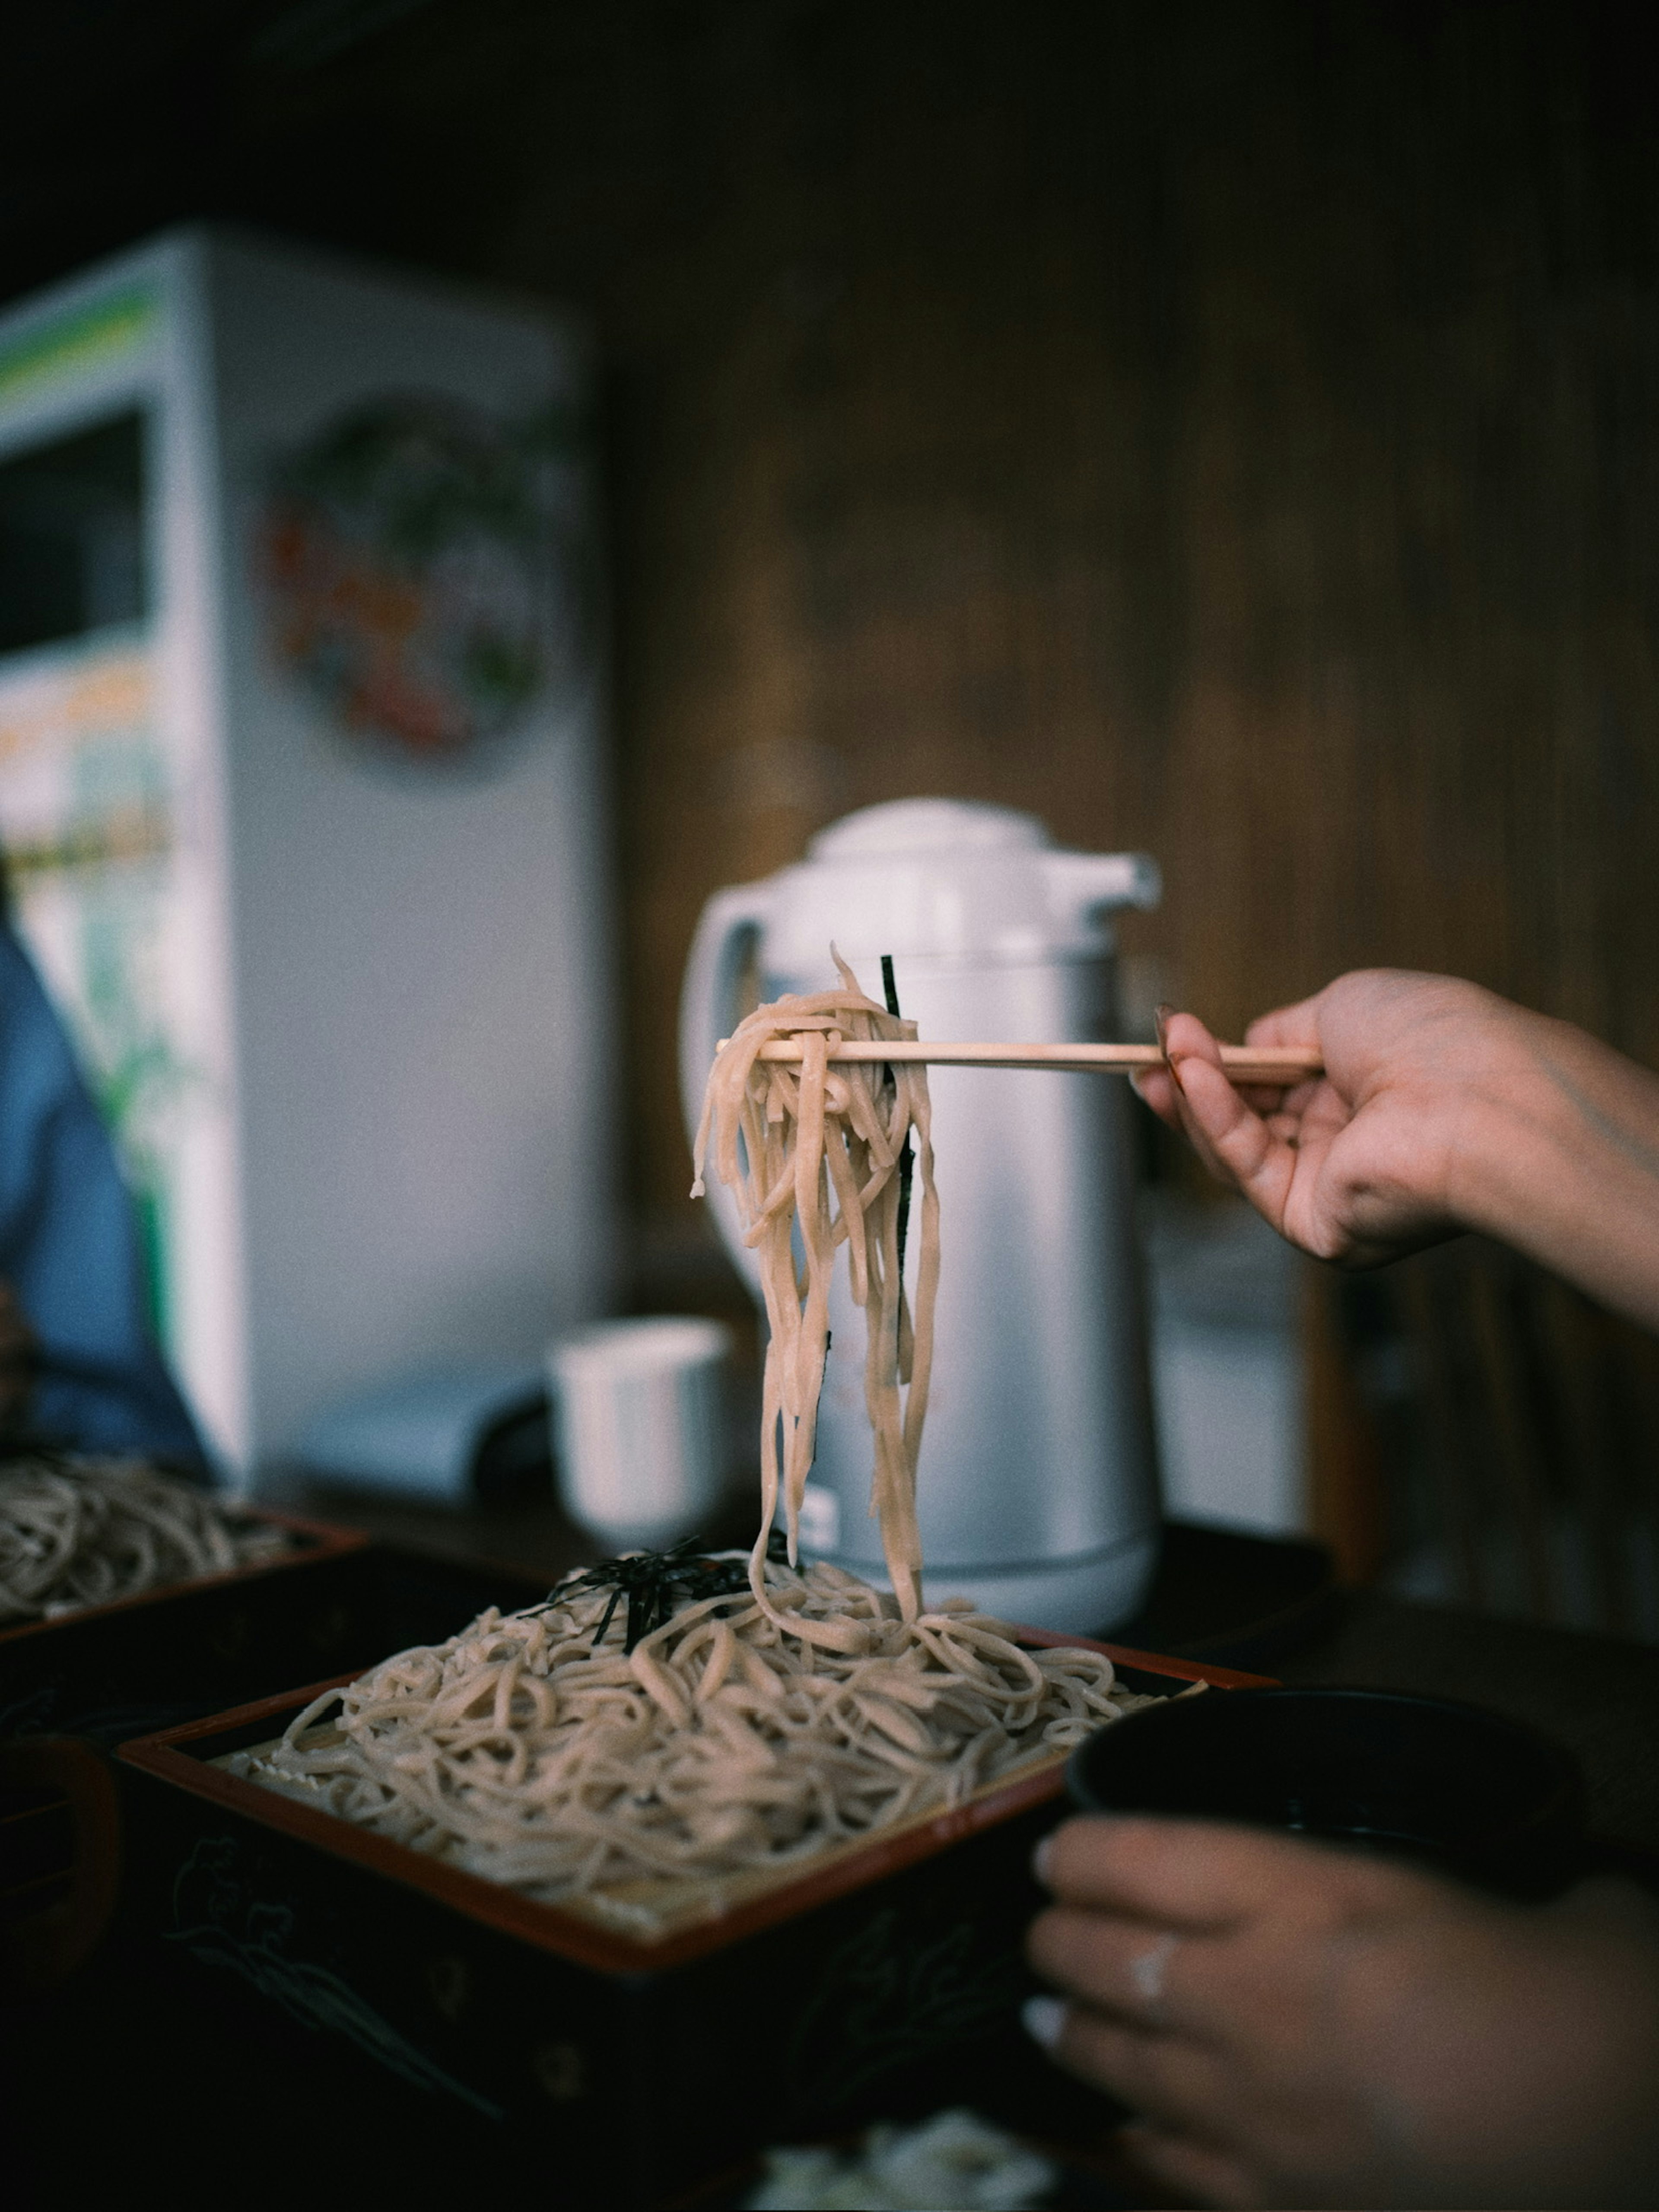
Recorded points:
(1227,429)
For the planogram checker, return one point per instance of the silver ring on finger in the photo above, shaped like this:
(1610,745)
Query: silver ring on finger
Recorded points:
(1149,1972)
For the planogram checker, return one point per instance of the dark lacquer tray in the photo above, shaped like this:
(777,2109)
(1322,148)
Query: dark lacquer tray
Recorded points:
(642,2064)
(73,1689)
(335,1601)
(108,1670)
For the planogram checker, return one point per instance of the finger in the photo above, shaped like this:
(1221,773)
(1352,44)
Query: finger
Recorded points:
(1191,2171)
(1156,1087)
(1183,1035)
(1225,1129)
(1143,1976)
(1263,1098)
(1169,2078)
(1189,1034)
(1201,1875)
(1301,1096)
(1297,1025)
(1185,1039)
(1193,1130)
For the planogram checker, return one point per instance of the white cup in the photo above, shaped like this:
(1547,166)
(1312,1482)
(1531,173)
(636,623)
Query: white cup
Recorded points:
(639,1427)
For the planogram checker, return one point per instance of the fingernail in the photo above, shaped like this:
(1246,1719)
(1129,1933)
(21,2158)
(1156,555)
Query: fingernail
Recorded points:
(1044,2020)
(1041,1859)
(1163,1016)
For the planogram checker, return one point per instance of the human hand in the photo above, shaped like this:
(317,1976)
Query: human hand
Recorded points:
(1362,1164)
(1300,2025)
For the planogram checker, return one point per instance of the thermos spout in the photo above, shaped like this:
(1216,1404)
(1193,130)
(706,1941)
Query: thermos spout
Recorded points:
(1079,884)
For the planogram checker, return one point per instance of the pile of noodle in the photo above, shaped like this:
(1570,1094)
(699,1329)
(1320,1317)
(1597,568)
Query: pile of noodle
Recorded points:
(745,1732)
(814,1150)
(80,1532)
(729,1739)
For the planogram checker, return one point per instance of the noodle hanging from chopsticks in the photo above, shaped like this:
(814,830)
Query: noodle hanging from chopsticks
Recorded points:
(728,1740)
(815,1151)
(79,1532)
(750,1728)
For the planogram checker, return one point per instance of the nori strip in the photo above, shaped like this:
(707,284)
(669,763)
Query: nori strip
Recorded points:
(907,1157)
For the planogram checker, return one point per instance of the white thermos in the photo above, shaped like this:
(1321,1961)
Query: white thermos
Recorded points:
(1037,1489)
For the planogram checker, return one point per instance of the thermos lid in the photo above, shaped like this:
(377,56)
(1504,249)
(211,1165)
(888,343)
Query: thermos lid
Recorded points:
(929,825)
(950,879)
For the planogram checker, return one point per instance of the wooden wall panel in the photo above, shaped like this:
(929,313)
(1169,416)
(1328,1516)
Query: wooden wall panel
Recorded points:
(1216,437)
(1227,430)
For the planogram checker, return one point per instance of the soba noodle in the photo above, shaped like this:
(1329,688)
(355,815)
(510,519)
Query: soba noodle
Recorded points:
(80,1532)
(815,1151)
(730,1738)
(747,1730)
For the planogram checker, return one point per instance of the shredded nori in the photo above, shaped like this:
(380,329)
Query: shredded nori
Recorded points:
(907,1157)
(654,1585)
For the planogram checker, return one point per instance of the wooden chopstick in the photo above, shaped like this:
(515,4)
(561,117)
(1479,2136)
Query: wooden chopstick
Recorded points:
(1243,1063)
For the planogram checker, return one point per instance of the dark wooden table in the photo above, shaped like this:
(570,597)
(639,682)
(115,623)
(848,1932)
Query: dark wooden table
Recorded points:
(114,2084)
(1596,1694)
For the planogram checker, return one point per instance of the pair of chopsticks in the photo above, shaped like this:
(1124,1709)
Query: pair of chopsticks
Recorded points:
(1264,1064)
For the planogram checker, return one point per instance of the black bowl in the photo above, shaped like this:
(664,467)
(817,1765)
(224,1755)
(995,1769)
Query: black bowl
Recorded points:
(1468,1791)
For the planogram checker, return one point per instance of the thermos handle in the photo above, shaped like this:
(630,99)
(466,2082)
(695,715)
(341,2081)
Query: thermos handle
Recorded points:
(725,935)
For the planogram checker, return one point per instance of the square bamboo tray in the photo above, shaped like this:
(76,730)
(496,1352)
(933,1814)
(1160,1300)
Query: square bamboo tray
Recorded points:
(644,2060)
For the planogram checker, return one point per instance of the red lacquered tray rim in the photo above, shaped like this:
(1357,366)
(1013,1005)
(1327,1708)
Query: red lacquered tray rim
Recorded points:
(568,1934)
(328,1540)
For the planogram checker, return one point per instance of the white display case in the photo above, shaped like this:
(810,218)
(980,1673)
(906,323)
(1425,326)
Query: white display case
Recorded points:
(302,798)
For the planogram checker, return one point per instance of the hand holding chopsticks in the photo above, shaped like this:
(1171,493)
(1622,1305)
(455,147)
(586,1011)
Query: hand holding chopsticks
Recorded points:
(1270,1064)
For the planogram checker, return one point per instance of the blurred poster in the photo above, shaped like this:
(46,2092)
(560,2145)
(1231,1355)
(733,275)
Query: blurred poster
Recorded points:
(87,825)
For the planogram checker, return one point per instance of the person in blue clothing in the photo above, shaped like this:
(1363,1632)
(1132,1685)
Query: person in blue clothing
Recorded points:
(78,1366)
